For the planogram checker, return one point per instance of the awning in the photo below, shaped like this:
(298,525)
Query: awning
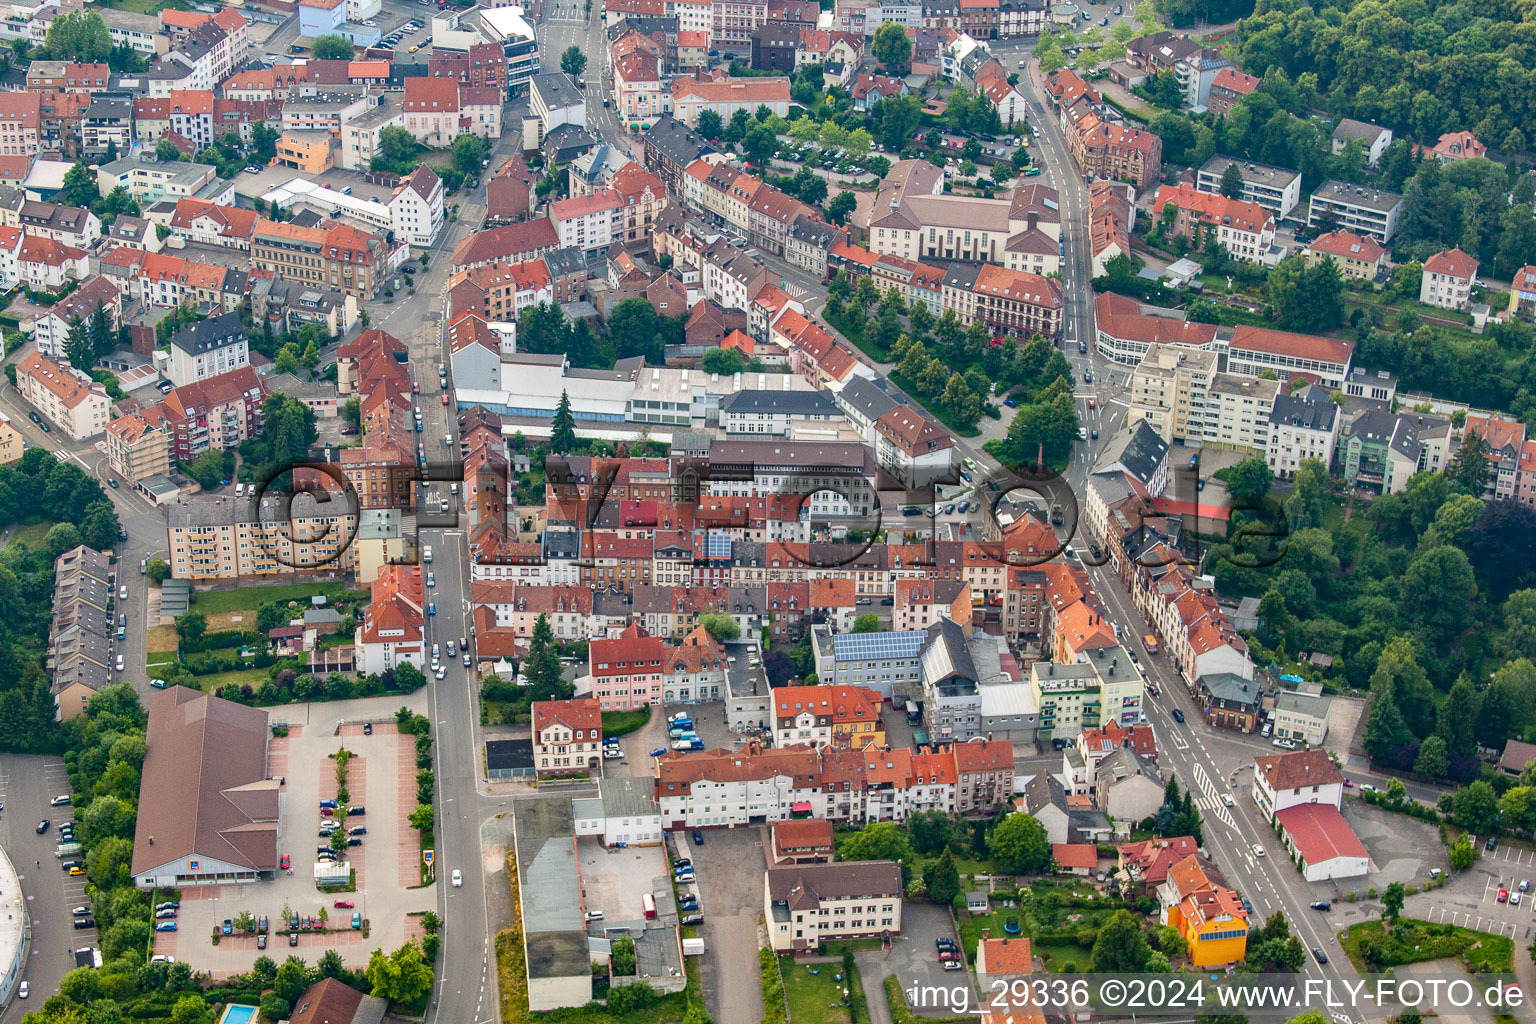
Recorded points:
(801,807)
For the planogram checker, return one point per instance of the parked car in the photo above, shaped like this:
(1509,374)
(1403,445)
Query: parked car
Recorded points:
(62,800)
(1322,905)
(166,926)
(343,904)
(293,938)
(357,811)
(698,837)
(261,941)
(228,926)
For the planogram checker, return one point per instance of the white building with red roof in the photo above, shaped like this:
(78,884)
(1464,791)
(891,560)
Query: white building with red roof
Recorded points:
(1246,229)
(1296,778)
(1322,843)
(567,736)
(589,222)
(1448,280)
(392,631)
(725,96)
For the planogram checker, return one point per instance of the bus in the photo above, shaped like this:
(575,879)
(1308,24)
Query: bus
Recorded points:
(1151,643)
(649,902)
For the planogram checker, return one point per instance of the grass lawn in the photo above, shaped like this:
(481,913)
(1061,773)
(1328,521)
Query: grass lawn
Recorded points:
(1057,957)
(1412,941)
(162,638)
(813,997)
(160,657)
(147,6)
(975,867)
(621,723)
(972,927)
(240,676)
(211,602)
(32,533)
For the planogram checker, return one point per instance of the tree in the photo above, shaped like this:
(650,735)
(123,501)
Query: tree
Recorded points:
(468,152)
(1248,483)
(562,437)
(1462,853)
(77,346)
(723,361)
(1121,946)
(1469,467)
(1232,181)
(333,47)
(1475,808)
(892,47)
(157,570)
(841,206)
(191,625)
(759,144)
(722,627)
(940,876)
(1434,759)
(931,831)
(79,36)
(397,149)
(1306,298)
(900,117)
(80,182)
(869,622)
(573,62)
(422,818)
(403,976)
(275,1007)
(542,666)
(881,841)
(1392,901)
(1020,845)
(1436,592)
(709,124)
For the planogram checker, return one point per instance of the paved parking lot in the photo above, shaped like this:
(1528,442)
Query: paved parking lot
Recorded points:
(914,960)
(730,868)
(614,881)
(27,783)
(381,779)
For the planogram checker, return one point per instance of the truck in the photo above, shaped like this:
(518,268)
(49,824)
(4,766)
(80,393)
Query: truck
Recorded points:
(1150,642)
(649,902)
(64,850)
(680,732)
(680,722)
(688,744)
(695,744)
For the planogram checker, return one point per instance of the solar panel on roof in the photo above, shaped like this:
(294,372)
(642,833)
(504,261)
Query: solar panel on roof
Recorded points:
(717,544)
(863,646)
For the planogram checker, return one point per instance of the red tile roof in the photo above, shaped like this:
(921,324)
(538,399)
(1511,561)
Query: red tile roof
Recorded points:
(1284,343)
(1075,855)
(1320,833)
(1453,263)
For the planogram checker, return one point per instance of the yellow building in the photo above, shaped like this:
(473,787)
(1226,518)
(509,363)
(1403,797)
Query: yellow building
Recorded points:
(10,441)
(309,152)
(1210,917)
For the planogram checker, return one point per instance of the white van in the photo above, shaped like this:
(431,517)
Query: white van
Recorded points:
(426,553)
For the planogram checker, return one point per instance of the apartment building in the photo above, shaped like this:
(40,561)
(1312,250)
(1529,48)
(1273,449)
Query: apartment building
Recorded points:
(393,630)
(1115,152)
(1358,257)
(1238,412)
(589,222)
(218,412)
(844,716)
(1170,388)
(805,905)
(567,736)
(333,254)
(137,449)
(218,538)
(1372,138)
(1126,333)
(1302,426)
(1098,686)
(21,120)
(1362,209)
(208,348)
(65,397)
(1276,189)
(1247,230)
(1448,280)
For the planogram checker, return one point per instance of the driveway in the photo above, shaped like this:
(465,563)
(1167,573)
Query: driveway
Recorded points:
(914,960)
(730,870)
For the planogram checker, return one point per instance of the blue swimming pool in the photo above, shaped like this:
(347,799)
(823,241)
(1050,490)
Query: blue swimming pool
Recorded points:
(238,1013)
